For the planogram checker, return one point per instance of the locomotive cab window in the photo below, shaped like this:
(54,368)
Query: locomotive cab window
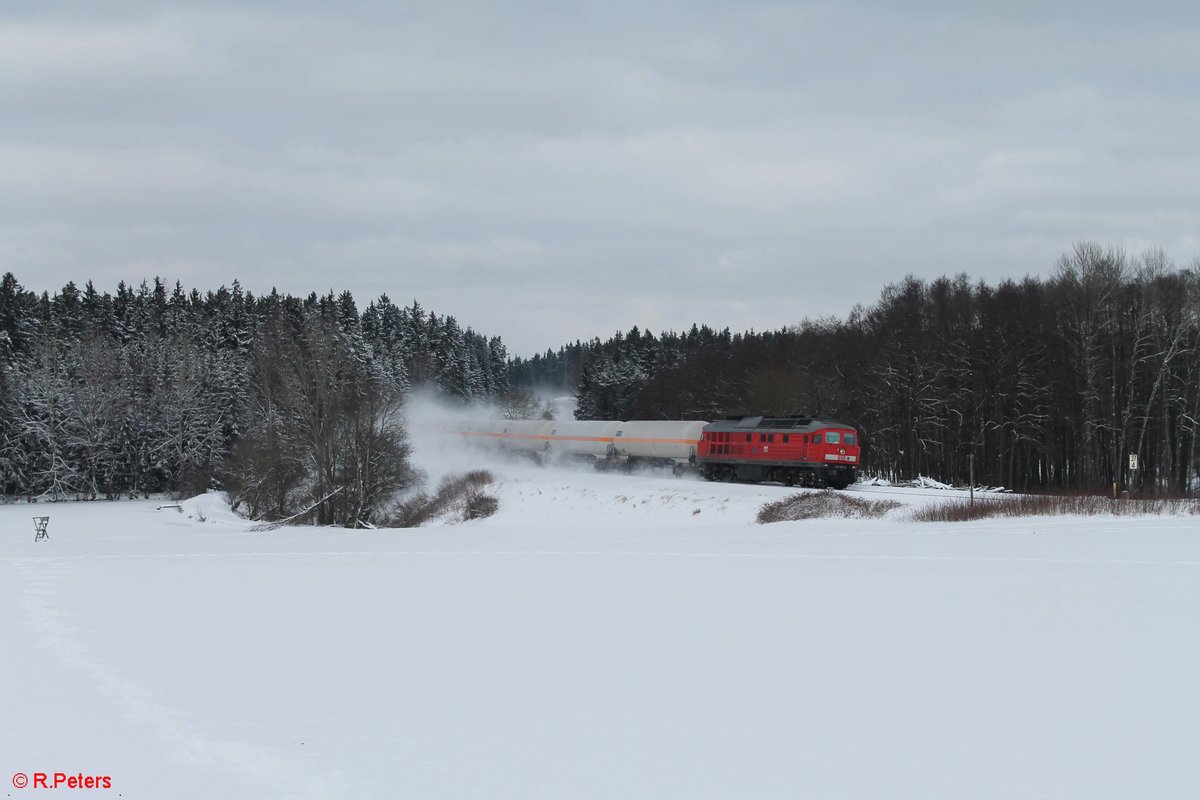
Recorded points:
(816,438)
(851,439)
(833,437)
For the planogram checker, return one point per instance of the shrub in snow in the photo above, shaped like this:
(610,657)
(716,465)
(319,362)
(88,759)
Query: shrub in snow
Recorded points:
(458,498)
(479,506)
(819,505)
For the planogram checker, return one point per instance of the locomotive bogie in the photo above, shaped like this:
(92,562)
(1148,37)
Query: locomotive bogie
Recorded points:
(787,474)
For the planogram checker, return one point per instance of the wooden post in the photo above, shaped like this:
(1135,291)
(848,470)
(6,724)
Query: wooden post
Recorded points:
(972,460)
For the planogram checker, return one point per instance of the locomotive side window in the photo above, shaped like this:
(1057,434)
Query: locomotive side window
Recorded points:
(749,437)
(785,438)
(833,437)
(816,438)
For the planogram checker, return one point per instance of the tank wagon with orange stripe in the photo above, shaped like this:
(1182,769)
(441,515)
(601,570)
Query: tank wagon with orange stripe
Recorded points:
(524,435)
(581,440)
(657,443)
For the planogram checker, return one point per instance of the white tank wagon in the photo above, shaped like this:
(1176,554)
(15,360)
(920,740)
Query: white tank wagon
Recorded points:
(474,432)
(579,439)
(657,443)
(524,435)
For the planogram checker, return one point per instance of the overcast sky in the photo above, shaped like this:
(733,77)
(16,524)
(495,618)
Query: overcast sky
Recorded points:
(547,171)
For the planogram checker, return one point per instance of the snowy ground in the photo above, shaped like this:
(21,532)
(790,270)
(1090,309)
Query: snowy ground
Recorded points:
(601,637)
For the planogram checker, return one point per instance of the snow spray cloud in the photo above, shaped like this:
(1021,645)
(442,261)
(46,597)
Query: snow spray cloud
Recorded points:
(436,454)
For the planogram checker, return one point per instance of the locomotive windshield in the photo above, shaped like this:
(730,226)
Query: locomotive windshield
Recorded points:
(833,437)
(850,439)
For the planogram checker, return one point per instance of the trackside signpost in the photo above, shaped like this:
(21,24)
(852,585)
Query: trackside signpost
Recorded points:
(1133,465)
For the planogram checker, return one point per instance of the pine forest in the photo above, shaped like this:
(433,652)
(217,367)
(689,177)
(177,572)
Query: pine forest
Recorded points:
(1038,384)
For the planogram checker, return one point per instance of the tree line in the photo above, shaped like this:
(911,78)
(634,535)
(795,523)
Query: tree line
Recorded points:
(293,404)
(1045,384)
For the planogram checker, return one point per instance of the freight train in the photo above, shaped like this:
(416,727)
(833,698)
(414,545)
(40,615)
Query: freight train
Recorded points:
(796,451)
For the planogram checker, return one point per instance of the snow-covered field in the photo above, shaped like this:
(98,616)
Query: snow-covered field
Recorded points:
(603,636)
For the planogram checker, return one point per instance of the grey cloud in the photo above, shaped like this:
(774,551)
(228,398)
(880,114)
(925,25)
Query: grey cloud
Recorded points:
(549,171)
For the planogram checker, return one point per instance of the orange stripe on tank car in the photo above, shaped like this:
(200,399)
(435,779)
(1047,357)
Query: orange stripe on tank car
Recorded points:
(541,436)
(546,437)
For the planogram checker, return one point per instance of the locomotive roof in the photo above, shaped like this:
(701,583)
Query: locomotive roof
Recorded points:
(776,423)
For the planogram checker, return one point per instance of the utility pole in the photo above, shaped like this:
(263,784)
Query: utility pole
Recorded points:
(971,459)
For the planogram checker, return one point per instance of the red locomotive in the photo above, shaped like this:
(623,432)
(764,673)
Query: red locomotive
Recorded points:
(802,451)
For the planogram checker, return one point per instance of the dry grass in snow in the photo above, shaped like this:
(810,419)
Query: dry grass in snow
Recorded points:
(820,505)
(1050,505)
